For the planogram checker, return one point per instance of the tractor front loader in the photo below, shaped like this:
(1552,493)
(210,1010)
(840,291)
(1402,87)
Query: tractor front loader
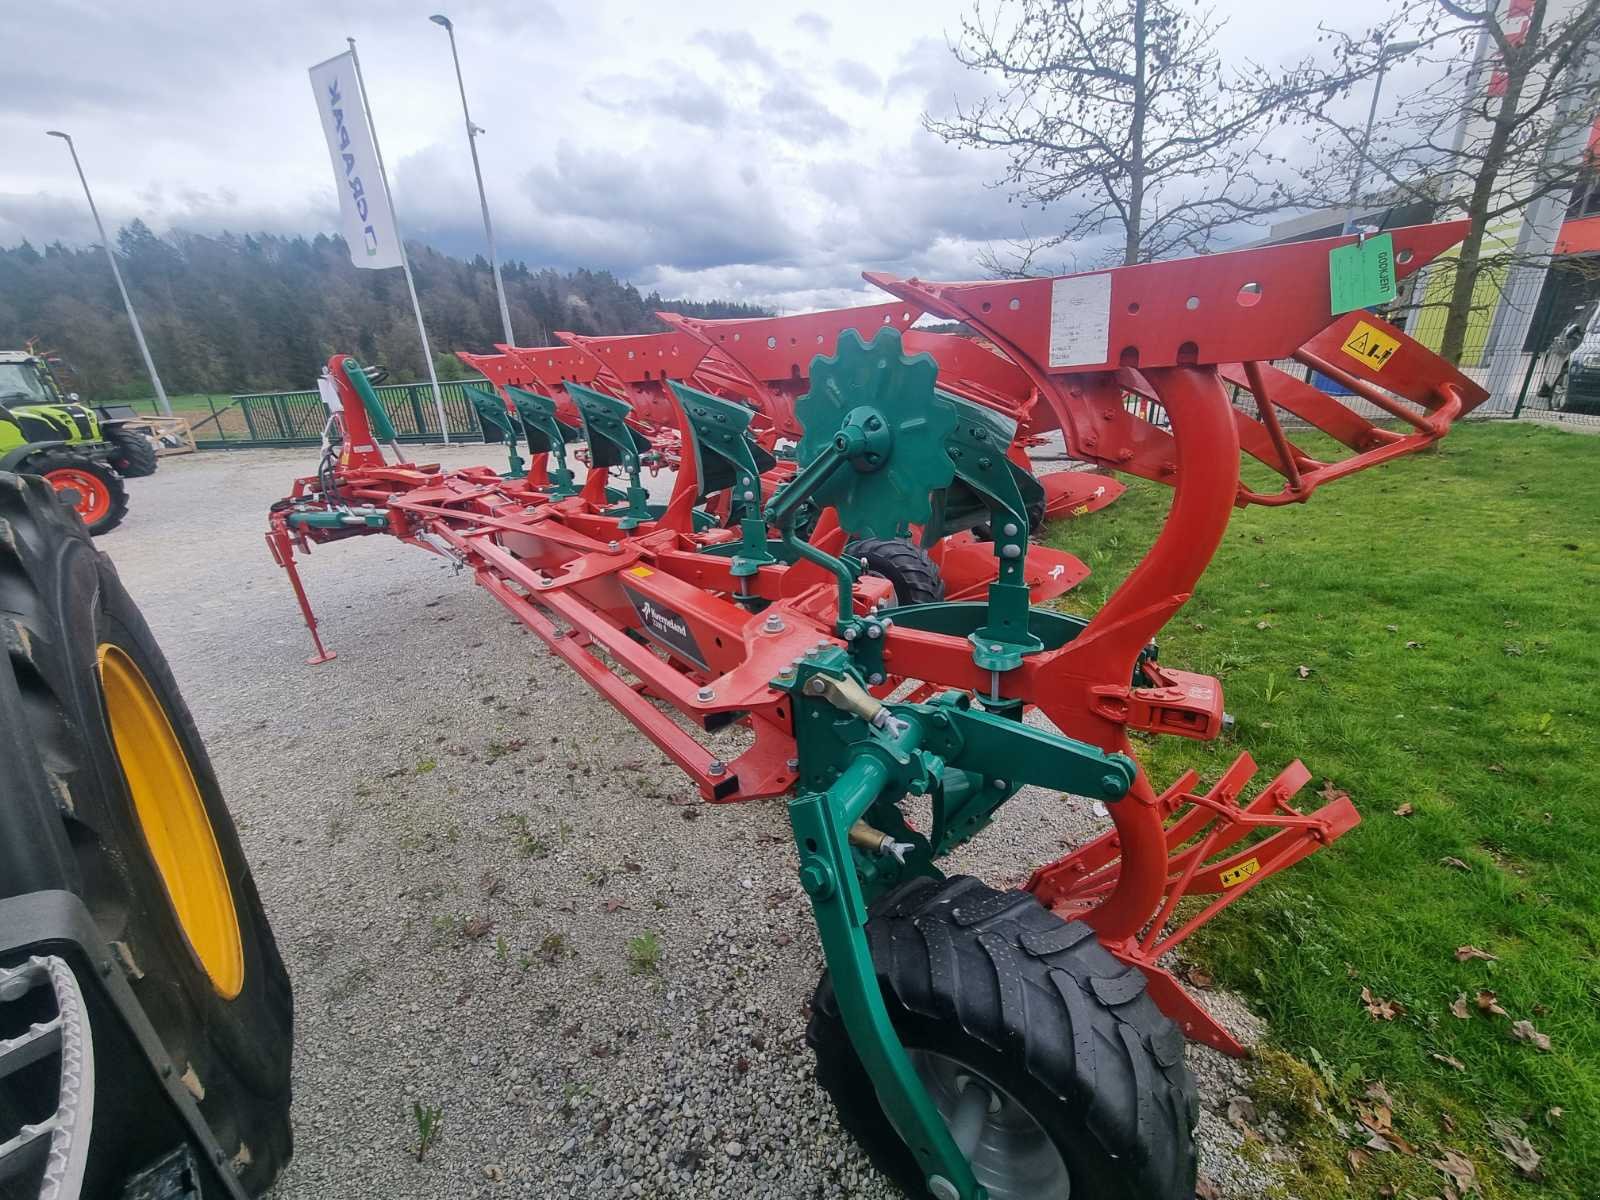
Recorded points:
(978,1041)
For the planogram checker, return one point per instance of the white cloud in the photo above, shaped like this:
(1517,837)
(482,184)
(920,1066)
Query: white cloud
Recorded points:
(744,152)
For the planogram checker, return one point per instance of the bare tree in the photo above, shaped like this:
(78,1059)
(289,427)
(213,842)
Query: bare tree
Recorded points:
(1499,127)
(1119,114)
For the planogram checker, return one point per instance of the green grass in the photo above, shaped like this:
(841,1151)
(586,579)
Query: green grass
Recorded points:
(190,404)
(1486,554)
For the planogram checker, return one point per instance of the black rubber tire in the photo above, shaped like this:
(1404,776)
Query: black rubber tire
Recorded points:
(1036,1004)
(62,457)
(132,455)
(60,601)
(915,577)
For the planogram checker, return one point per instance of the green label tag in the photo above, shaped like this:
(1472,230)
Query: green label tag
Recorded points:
(1361,275)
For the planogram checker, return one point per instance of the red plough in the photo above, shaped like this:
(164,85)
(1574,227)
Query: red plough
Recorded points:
(758,596)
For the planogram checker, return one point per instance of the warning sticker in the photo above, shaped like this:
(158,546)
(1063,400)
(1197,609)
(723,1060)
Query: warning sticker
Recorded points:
(1080,321)
(641,572)
(1372,346)
(1234,876)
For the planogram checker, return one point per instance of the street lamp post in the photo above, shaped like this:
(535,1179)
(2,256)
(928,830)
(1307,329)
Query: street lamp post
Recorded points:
(472,142)
(133,319)
(1392,50)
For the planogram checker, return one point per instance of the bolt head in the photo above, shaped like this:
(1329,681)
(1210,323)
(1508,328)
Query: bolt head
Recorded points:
(716,767)
(874,631)
(1113,785)
(875,678)
(793,764)
(705,693)
(1011,552)
(774,624)
(613,547)
(1010,529)
(941,1188)
(816,879)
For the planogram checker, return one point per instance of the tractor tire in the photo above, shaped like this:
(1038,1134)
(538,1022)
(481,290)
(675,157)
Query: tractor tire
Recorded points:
(989,985)
(133,456)
(134,823)
(915,576)
(98,494)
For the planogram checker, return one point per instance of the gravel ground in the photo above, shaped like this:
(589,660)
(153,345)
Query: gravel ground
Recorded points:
(459,843)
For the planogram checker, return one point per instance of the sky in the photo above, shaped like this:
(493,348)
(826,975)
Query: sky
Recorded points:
(763,152)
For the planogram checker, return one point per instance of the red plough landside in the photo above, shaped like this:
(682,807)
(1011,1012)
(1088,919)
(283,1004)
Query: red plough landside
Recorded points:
(1103,348)
(1161,370)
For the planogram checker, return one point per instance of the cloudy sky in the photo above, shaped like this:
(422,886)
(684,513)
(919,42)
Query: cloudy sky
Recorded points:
(757,151)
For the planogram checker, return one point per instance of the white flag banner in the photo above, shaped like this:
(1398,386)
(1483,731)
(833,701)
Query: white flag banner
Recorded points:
(365,216)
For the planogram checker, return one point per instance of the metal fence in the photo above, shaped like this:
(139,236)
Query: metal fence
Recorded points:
(296,418)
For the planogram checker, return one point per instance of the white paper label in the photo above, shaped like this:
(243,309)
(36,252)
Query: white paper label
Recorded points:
(329,391)
(1080,321)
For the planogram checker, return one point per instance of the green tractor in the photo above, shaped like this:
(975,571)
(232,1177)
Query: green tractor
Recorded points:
(81,455)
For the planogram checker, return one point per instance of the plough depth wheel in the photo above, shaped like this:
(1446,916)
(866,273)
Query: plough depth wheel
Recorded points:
(1053,1068)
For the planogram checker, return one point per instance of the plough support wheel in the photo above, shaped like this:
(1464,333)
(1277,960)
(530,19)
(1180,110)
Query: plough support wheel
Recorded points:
(1055,1071)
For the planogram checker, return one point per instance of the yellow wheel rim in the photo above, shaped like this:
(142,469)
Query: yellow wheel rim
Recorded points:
(173,818)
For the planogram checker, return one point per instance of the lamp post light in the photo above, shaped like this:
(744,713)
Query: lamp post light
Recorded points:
(133,319)
(483,200)
(1392,50)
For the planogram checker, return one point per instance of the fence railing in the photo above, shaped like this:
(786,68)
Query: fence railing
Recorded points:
(296,418)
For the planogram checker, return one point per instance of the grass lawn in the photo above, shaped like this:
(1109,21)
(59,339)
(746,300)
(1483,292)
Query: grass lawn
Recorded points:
(192,405)
(1447,607)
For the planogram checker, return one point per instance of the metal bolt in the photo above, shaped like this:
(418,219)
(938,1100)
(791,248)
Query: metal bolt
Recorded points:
(874,631)
(816,879)
(875,678)
(774,623)
(705,693)
(613,546)
(816,685)
(793,764)
(1000,785)
(716,767)
(1010,529)
(888,621)
(1113,785)
(851,634)
(941,1188)
(995,647)
(1011,552)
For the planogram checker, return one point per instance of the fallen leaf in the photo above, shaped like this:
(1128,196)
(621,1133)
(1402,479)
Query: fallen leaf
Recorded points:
(1455,863)
(1413,645)
(476,927)
(1449,1061)
(1459,1008)
(1458,1170)
(1447,1121)
(1392,628)
(1555,1114)
(1468,953)
(1378,1009)
(1405,810)
(1263,624)
(1518,1149)
(1523,1031)
(612,906)
(1357,1159)
(1199,977)
(1497,768)
(1376,1091)
(1242,1115)
(1489,1004)
(1331,793)
(1303,671)
(1204,1189)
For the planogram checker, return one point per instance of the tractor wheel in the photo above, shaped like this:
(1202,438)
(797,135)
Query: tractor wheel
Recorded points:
(138,827)
(1084,1089)
(914,575)
(85,484)
(132,455)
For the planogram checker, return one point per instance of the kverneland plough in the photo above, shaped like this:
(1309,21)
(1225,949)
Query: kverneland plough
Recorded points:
(1017,1043)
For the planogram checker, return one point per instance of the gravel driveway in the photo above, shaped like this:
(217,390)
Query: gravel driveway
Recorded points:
(495,897)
